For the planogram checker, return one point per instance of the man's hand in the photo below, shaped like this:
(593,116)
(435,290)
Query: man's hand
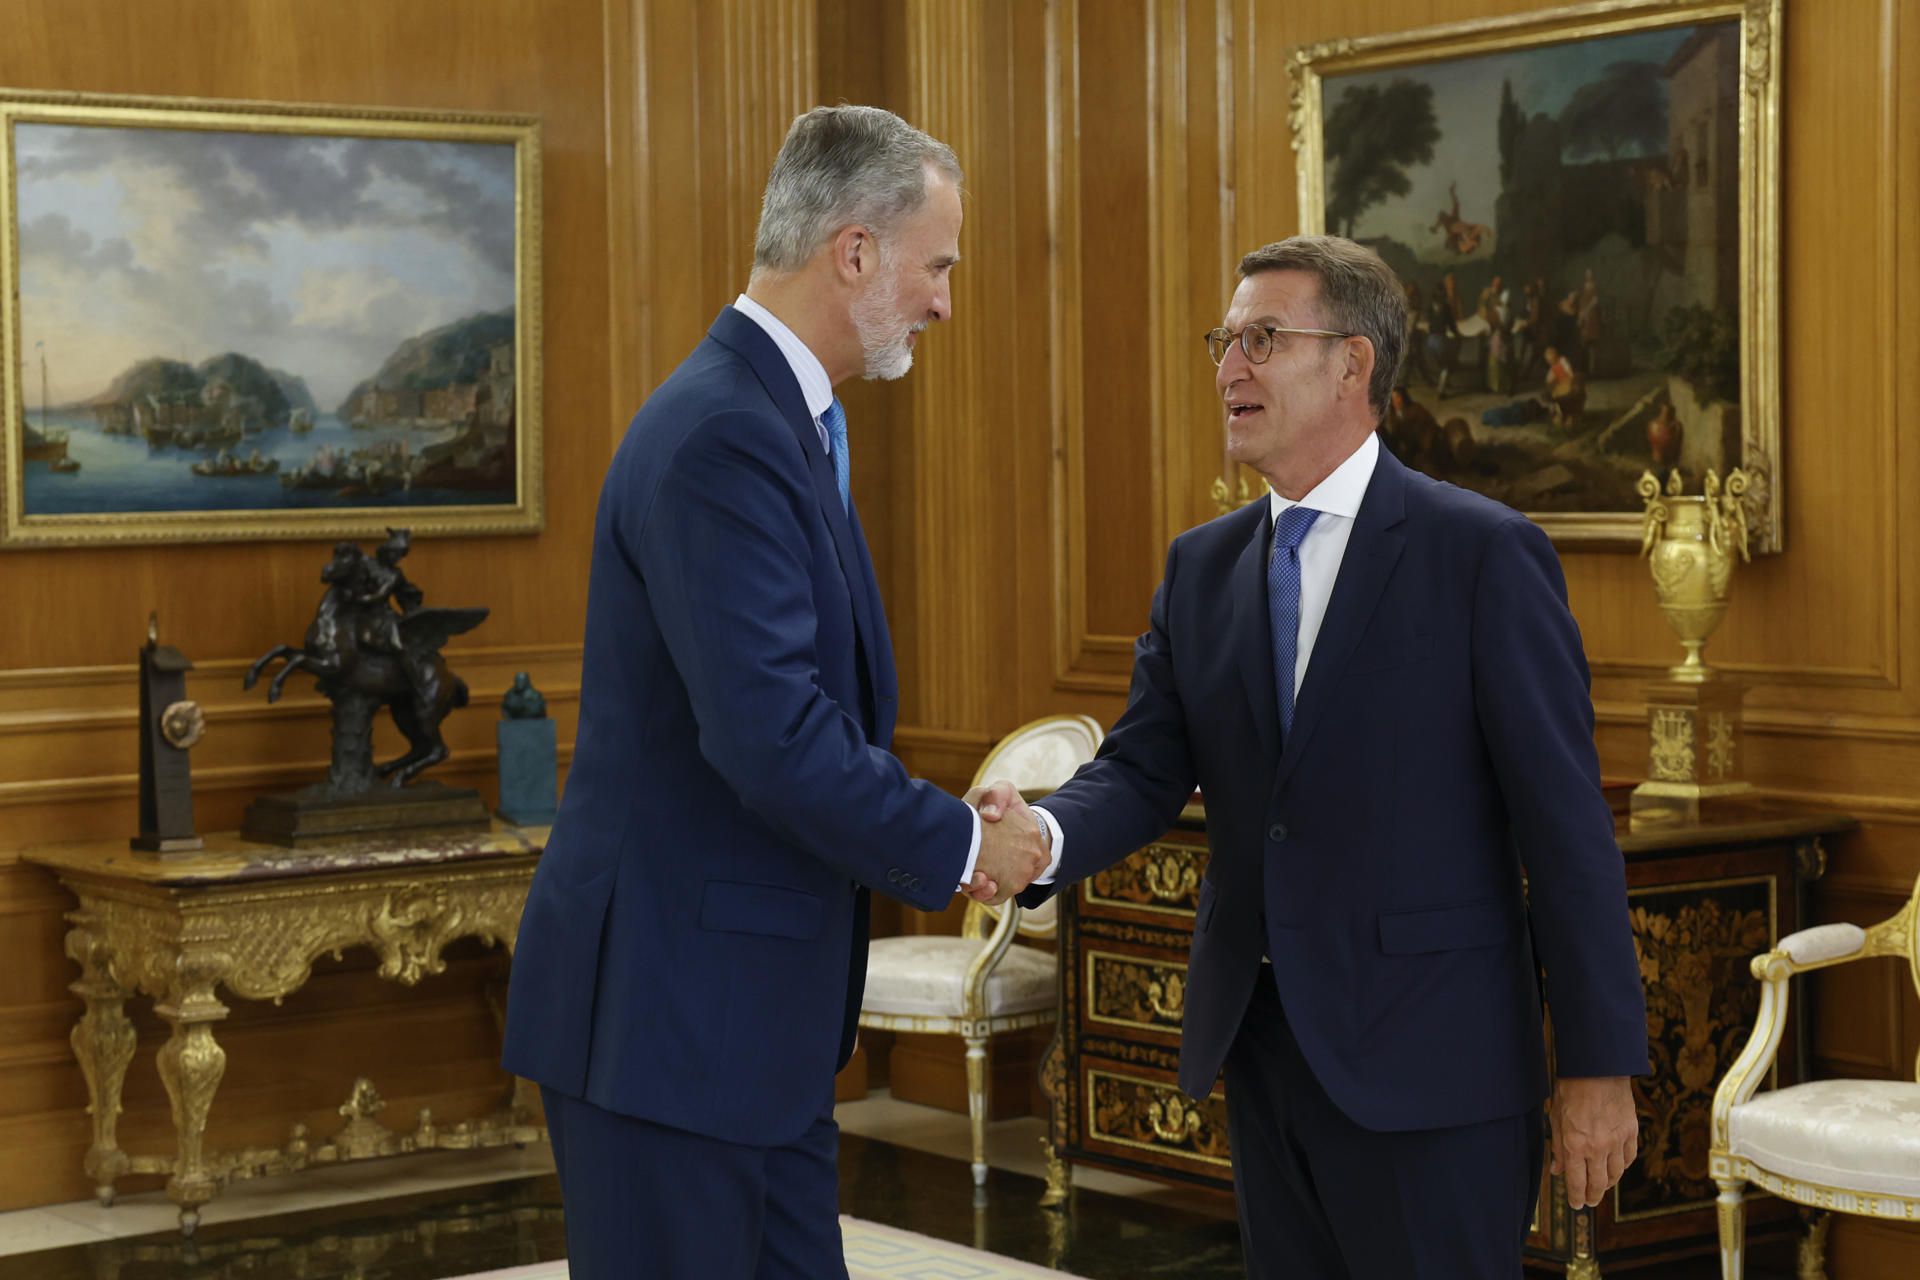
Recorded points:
(1596,1135)
(1006,873)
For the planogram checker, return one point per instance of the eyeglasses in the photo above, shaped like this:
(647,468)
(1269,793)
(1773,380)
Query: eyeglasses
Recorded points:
(1256,340)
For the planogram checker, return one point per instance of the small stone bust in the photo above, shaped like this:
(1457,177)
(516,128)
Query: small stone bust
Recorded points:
(523,701)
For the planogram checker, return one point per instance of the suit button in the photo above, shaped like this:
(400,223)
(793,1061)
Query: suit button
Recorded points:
(893,875)
(1277,833)
(915,884)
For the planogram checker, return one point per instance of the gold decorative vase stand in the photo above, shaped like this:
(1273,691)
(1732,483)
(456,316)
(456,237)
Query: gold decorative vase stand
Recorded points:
(1693,716)
(247,920)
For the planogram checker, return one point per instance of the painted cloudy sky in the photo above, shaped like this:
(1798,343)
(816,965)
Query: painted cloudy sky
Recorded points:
(1466,105)
(315,255)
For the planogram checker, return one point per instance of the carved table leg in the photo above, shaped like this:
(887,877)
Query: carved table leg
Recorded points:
(103,1041)
(191,1064)
(1053,1082)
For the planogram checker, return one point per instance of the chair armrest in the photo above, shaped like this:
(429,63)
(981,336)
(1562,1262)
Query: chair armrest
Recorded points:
(974,986)
(1773,969)
(1818,947)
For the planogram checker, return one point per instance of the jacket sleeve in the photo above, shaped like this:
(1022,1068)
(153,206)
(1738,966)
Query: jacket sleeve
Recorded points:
(722,553)
(1531,692)
(1134,789)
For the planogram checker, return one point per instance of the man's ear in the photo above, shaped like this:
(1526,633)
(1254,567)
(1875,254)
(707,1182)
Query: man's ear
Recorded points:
(1359,370)
(854,252)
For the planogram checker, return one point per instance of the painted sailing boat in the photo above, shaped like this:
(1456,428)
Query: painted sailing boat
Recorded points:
(48,444)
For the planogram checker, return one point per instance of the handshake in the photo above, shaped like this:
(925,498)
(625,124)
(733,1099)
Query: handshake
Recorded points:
(1015,844)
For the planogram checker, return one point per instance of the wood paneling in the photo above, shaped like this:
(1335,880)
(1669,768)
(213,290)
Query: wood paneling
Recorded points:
(1020,485)
(75,618)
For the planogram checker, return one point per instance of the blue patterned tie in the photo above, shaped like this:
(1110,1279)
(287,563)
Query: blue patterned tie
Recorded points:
(1283,604)
(835,421)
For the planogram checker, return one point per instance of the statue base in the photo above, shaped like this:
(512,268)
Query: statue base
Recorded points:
(298,818)
(1693,760)
(529,750)
(164,847)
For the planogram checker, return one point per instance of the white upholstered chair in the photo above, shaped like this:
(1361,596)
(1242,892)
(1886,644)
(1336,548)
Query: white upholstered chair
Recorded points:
(1844,1146)
(981,984)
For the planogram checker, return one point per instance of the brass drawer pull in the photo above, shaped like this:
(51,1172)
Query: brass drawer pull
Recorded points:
(1168,996)
(1172,877)
(1172,1119)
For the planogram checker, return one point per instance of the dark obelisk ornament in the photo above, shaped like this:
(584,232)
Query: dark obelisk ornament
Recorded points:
(372,644)
(170,724)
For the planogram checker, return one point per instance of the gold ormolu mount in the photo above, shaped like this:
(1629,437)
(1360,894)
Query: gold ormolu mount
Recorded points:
(1693,716)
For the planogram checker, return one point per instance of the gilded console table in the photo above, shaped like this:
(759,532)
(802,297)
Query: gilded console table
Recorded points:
(252,919)
(1704,899)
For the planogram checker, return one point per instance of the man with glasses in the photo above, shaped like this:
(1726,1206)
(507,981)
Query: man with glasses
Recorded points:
(1374,679)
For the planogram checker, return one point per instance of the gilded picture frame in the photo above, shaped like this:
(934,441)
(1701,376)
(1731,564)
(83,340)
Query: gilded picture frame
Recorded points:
(1584,204)
(233,320)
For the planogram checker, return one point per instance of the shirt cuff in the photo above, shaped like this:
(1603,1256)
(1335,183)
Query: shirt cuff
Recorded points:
(1059,844)
(973,850)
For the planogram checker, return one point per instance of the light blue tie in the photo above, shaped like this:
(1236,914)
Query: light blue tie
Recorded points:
(1283,604)
(835,421)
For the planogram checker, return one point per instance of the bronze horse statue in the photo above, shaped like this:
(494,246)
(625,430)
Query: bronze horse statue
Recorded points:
(365,657)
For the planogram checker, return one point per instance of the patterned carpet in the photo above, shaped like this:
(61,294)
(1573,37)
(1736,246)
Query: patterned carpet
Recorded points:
(874,1252)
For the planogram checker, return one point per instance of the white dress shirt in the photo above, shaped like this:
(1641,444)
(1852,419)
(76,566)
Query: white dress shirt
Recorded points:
(817,390)
(1337,499)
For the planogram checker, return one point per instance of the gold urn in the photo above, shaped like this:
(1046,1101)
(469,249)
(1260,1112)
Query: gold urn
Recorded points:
(1693,716)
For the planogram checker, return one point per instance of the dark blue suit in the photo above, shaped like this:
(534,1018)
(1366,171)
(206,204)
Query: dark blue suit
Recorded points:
(693,951)
(1443,737)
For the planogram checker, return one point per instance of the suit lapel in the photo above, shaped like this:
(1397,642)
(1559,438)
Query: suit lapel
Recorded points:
(1252,630)
(1372,550)
(751,342)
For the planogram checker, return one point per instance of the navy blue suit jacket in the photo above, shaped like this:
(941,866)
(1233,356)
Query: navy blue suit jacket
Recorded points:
(693,950)
(1443,737)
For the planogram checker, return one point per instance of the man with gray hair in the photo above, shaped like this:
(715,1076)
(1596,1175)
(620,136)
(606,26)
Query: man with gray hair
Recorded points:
(1375,682)
(692,955)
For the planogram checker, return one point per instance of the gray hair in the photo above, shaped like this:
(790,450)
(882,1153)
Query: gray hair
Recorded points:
(1360,293)
(842,165)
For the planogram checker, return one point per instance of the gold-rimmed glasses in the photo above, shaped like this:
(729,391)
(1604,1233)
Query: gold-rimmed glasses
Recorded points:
(1256,340)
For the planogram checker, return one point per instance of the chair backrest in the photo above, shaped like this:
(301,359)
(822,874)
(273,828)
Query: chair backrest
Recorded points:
(1913,953)
(1039,756)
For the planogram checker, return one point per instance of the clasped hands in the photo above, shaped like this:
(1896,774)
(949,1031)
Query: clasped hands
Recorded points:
(1014,844)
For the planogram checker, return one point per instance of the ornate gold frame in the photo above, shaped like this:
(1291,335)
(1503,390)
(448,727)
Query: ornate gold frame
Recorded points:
(525,515)
(1759,196)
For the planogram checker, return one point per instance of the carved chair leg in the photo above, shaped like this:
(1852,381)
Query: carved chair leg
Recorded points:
(1813,1246)
(103,1041)
(1732,1207)
(191,1064)
(977,1104)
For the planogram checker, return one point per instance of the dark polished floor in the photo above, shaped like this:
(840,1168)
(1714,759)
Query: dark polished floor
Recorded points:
(458,1232)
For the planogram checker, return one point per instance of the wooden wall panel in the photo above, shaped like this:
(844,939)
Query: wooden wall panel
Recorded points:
(1020,485)
(76,617)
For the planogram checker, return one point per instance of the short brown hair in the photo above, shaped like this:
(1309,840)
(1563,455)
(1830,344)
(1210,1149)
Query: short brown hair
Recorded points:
(1361,295)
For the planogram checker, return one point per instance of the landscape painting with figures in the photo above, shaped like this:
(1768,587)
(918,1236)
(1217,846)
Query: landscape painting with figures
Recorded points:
(250,329)
(1566,217)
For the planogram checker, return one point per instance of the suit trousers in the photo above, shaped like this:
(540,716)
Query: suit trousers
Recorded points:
(645,1200)
(1321,1198)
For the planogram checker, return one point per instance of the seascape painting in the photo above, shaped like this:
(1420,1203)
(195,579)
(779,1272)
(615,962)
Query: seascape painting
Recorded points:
(1567,216)
(265,332)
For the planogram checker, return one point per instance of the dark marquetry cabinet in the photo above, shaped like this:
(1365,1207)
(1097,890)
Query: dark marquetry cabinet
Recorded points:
(1704,899)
